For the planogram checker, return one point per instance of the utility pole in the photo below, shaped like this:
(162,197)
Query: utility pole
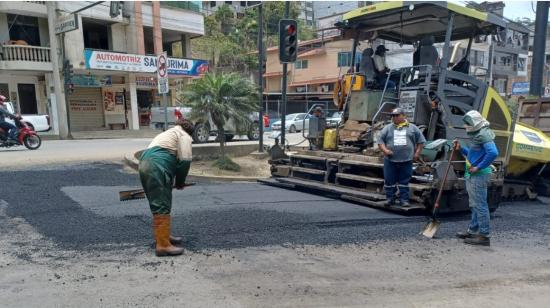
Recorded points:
(59,95)
(261,74)
(283,90)
(541,22)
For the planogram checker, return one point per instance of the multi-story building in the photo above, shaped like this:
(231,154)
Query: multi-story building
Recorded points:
(114,61)
(305,7)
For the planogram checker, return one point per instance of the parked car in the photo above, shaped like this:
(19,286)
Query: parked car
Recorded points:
(36,122)
(293,122)
(335,119)
(203,131)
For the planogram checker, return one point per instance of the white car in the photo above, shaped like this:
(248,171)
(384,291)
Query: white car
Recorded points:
(294,122)
(37,122)
(335,119)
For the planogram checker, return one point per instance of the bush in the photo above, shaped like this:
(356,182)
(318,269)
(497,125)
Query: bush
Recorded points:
(225,163)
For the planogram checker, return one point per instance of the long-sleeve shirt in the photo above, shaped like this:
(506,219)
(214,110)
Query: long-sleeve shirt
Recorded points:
(175,140)
(4,113)
(379,63)
(480,156)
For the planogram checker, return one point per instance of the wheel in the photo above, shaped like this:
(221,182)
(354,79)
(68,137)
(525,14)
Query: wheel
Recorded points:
(32,142)
(254,132)
(201,133)
(292,129)
(229,137)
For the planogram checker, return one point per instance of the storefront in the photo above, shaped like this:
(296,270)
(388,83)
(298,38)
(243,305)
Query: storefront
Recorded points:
(103,101)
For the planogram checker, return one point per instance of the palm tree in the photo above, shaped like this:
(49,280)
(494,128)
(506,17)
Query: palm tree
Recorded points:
(223,97)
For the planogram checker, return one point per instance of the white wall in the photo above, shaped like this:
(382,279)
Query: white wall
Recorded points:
(118,37)
(4,33)
(43,32)
(74,47)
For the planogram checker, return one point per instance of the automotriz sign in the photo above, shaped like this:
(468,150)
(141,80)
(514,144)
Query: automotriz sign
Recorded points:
(104,60)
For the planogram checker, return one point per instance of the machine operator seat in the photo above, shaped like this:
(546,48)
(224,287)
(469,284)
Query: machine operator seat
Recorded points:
(428,54)
(367,68)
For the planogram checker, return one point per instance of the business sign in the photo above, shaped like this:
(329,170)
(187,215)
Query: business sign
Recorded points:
(105,60)
(162,73)
(149,82)
(66,24)
(519,88)
(91,81)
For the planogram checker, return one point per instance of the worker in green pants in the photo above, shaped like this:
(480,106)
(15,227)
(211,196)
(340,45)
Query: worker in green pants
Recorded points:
(164,165)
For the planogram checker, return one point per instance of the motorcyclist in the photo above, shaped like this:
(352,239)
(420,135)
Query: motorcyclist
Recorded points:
(9,129)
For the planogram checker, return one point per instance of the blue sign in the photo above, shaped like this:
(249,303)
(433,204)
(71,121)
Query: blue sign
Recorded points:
(91,81)
(519,88)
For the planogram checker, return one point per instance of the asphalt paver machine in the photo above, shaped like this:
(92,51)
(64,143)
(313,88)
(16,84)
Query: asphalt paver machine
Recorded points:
(435,95)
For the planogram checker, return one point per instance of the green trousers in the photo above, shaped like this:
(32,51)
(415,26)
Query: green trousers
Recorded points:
(157,169)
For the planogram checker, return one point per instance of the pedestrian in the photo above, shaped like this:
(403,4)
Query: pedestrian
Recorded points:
(164,165)
(479,157)
(401,142)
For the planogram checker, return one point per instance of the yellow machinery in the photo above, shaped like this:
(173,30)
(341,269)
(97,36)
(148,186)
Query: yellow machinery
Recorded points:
(434,95)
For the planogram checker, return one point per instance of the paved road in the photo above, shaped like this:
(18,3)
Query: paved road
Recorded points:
(66,240)
(56,152)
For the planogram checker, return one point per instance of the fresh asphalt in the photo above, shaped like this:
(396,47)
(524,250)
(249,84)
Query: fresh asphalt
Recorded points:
(77,208)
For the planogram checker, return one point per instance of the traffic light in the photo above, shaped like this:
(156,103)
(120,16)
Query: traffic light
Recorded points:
(288,40)
(68,71)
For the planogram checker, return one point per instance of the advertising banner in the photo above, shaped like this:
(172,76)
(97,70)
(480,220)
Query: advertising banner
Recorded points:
(114,61)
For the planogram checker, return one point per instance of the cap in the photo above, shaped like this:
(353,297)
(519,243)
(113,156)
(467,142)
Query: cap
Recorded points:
(397,111)
(318,109)
(381,47)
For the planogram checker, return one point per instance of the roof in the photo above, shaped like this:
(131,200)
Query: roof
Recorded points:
(313,81)
(409,21)
(313,41)
(312,52)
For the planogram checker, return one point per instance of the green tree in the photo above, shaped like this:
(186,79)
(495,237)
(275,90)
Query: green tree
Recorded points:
(222,97)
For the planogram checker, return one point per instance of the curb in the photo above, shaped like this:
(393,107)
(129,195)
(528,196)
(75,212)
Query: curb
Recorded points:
(133,163)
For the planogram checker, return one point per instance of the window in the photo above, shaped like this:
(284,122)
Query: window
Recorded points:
(300,64)
(344,58)
(228,2)
(24,28)
(243,3)
(300,117)
(212,3)
(496,117)
(96,35)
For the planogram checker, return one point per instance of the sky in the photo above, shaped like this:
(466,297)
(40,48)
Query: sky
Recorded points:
(519,9)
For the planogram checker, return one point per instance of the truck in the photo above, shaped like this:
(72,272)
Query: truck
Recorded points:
(203,131)
(435,95)
(37,122)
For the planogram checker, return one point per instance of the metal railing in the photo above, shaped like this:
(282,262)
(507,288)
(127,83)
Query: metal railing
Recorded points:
(25,53)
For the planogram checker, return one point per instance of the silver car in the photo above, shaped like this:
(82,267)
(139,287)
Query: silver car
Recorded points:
(294,122)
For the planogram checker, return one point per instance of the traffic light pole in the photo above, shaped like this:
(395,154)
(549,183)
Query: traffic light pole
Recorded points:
(261,75)
(283,90)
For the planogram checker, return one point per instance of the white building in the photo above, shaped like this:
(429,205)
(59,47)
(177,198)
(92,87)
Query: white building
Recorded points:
(114,81)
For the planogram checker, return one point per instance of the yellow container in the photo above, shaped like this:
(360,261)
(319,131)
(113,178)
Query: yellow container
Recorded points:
(329,140)
(358,83)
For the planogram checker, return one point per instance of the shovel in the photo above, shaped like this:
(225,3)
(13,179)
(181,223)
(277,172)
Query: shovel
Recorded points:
(135,194)
(433,225)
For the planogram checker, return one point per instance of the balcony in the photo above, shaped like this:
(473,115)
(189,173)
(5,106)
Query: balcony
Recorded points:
(22,57)
(27,8)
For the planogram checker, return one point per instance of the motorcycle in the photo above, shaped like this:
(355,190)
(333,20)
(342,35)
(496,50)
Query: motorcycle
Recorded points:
(25,136)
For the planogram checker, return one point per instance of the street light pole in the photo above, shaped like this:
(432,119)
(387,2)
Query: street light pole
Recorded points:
(283,90)
(261,75)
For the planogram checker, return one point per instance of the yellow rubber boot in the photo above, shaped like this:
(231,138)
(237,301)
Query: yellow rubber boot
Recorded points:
(161,227)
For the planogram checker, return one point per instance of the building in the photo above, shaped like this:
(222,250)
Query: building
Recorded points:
(307,14)
(311,78)
(113,59)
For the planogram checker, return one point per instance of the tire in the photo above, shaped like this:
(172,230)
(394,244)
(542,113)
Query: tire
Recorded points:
(201,134)
(292,129)
(254,132)
(32,142)
(229,137)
